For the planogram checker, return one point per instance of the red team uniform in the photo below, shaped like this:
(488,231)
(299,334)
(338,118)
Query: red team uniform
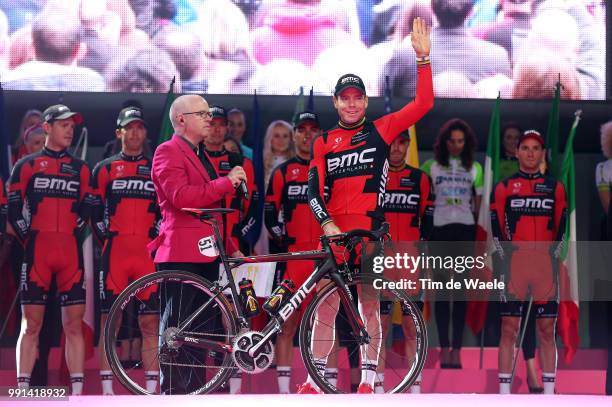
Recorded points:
(353,163)
(223,161)
(125,219)
(53,188)
(408,208)
(288,216)
(529,208)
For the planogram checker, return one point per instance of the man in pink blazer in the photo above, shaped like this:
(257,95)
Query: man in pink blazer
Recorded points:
(185,178)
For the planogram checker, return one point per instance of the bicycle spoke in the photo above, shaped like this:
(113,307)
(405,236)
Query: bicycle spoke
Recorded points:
(180,364)
(369,312)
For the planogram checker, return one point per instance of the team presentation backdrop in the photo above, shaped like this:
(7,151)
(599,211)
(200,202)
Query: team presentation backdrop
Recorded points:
(276,46)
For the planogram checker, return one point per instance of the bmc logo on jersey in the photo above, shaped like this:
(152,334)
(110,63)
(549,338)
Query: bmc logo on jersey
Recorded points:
(350,159)
(297,190)
(133,185)
(532,203)
(401,198)
(56,184)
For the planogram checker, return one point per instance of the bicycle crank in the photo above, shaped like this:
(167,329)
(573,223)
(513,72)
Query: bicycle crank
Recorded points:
(256,363)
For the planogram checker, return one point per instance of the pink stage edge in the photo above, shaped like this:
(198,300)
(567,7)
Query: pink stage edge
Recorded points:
(336,400)
(585,376)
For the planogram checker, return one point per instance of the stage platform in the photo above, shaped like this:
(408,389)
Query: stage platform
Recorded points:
(585,376)
(338,400)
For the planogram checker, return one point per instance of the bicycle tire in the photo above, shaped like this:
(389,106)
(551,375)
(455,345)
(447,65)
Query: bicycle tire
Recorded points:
(128,376)
(307,323)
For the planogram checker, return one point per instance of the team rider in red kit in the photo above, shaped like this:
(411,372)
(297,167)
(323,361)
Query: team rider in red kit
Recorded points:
(409,211)
(351,160)
(289,219)
(529,210)
(124,218)
(53,187)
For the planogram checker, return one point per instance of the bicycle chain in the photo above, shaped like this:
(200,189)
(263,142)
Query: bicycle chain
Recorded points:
(190,365)
(206,334)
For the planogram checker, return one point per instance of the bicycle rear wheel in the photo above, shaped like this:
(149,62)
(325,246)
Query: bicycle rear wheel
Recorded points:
(401,370)
(171,297)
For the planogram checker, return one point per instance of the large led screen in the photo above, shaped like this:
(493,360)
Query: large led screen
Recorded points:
(519,48)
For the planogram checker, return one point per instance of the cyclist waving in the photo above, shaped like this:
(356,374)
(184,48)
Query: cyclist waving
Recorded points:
(351,161)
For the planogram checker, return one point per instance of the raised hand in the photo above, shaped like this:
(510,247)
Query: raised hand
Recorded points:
(420,37)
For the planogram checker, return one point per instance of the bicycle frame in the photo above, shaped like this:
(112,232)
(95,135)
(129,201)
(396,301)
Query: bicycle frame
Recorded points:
(327,268)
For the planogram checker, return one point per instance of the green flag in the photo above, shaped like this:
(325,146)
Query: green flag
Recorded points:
(477,305)
(300,103)
(552,134)
(568,272)
(167,130)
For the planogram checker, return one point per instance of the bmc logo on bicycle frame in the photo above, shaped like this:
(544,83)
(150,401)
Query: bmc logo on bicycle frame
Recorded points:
(294,303)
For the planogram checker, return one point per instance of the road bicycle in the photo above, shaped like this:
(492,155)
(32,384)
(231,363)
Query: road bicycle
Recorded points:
(211,339)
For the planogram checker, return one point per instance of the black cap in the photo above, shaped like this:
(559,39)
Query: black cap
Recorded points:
(128,115)
(61,112)
(405,134)
(217,111)
(349,80)
(304,117)
(534,134)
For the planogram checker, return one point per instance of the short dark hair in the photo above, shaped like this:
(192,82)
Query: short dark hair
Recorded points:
(55,38)
(507,126)
(451,13)
(147,70)
(185,49)
(441,150)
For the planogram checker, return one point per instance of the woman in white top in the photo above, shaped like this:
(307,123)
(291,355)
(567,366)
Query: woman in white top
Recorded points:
(278,146)
(457,181)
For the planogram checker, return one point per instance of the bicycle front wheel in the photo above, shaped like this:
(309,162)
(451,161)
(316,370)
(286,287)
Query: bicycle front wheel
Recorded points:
(331,352)
(162,303)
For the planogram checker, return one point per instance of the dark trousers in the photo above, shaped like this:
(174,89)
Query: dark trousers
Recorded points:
(451,233)
(178,302)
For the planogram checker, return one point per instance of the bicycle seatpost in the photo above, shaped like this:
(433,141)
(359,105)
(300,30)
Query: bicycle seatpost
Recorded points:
(219,241)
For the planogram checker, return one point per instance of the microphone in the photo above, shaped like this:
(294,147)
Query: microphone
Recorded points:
(244,191)
(234,160)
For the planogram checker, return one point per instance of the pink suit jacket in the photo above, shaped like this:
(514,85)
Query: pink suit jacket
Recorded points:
(181,181)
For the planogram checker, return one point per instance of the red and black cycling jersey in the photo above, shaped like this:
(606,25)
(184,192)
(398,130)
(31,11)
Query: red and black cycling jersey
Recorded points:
(53,187)
(352,162)
(528,207)
(223,161)
(3,207)
(124,200)
(408,204)
(286,211)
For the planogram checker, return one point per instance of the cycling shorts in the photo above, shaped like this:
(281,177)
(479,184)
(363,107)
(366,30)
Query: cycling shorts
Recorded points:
(125,258)
(49,254)
(542,309)
(531,271)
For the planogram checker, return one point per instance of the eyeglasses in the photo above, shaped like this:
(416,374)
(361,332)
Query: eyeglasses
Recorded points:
(201,114)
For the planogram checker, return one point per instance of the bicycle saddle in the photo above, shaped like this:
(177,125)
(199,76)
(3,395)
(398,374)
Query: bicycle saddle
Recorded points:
(206,212)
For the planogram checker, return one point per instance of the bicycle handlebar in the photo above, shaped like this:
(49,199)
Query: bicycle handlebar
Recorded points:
(369,234)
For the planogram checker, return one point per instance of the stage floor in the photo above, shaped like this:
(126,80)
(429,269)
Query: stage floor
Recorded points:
(351,400)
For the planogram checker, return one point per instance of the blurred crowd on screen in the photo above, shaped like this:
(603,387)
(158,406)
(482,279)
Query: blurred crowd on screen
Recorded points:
(518,48)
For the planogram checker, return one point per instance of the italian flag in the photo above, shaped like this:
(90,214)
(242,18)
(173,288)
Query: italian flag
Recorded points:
(166,131)
(567,323)
(478,299)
